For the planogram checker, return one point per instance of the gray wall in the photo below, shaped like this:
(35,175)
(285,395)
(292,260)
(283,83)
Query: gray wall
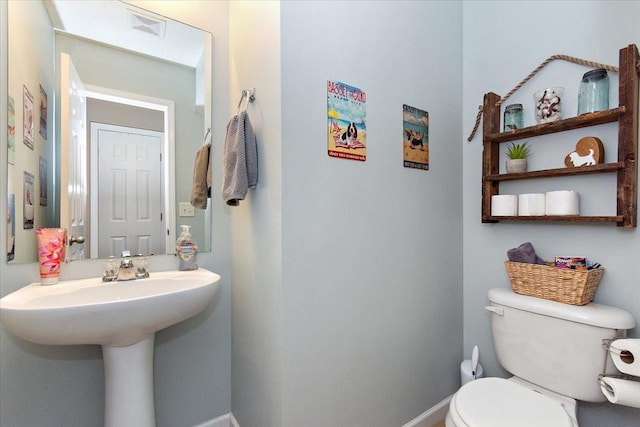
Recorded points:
(372,282)
(347,285)
(29,44)
(503,43)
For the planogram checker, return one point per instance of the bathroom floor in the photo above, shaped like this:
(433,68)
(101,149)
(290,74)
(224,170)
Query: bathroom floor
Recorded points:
(439,424)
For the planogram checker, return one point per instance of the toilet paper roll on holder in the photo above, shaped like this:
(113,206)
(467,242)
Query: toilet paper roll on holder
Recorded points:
(625,355)
(602,383)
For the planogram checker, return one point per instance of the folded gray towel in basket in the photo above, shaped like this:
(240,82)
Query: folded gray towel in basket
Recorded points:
(524,253)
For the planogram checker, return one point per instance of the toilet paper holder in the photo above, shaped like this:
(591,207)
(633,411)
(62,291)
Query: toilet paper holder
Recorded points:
(620,376)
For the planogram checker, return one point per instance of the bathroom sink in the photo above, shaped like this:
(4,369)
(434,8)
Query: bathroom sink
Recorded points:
(122,317)
(89,311)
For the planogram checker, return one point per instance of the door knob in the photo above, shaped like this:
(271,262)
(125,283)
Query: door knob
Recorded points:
(76,239)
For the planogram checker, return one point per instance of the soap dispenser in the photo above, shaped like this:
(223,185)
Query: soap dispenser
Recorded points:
(186,249)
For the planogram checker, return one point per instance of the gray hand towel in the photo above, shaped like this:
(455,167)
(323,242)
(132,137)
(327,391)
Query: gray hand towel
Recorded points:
(524,253)
(201,178)
(240,159)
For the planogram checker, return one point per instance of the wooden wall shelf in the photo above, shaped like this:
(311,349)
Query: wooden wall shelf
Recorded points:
(626,167)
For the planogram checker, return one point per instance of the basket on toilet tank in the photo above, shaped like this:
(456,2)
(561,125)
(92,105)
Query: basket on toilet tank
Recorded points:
(576,287)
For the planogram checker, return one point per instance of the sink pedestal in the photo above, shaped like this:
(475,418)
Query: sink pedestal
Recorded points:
(128,376)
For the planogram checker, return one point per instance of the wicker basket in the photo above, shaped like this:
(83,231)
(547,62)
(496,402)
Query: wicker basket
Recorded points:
(575,287)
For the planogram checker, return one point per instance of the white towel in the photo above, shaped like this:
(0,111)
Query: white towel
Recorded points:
(201,178)
(240,159)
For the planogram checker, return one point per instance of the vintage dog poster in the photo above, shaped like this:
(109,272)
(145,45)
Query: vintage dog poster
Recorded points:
(346,120)
(415,140)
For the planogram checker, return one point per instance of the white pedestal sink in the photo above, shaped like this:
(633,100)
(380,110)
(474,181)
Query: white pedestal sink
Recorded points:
(122,317)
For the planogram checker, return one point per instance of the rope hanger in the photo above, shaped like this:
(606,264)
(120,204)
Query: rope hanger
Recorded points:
(531,74)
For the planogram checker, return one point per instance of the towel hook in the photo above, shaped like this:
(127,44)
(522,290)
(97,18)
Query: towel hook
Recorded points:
(249,94)
(204,141)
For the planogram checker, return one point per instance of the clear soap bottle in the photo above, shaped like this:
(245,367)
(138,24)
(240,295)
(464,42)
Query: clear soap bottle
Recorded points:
(186,250)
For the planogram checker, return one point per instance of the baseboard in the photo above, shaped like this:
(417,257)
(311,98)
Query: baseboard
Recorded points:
(428,418)
(227,420)
(431,415)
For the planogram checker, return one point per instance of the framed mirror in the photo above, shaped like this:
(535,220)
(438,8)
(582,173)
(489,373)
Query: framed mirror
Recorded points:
(107,106)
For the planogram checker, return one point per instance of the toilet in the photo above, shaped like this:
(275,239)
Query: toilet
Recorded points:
(555,353)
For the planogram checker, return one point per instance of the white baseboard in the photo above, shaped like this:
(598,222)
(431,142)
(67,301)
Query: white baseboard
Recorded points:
(227,420)
(431,415)
(428,418)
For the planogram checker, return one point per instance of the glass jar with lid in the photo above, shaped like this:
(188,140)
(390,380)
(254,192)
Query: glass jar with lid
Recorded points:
(593,94)
(513,117)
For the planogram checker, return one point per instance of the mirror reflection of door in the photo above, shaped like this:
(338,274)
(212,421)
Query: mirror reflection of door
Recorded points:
(73,171)
(129,185)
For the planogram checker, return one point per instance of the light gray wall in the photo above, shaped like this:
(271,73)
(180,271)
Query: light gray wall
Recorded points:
(347,302)
(256,225)
(503,42)
(42,385)
(372,277)
(30,43)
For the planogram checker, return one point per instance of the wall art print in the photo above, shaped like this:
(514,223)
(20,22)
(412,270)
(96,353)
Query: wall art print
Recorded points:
(346,119)
(11,130)
(11,226)
(28,210)
(43,181)
(27,118)
(43,112)
(415,140)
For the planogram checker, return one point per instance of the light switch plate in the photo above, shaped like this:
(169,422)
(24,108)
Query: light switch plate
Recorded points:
(186,209)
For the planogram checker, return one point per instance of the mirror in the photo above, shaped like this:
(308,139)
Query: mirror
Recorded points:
(86,93)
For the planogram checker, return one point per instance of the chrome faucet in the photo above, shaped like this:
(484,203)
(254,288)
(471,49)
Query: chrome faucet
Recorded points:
(126,271)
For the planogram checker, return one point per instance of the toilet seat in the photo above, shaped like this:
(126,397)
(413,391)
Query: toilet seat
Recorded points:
(496,402)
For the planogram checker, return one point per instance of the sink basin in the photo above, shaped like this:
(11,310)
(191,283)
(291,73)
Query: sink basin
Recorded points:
(122,317)
(89,311)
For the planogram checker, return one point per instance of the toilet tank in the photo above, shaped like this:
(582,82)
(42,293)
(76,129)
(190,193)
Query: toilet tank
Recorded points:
(554,345)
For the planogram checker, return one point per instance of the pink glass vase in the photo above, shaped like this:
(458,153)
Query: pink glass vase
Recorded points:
(51,252)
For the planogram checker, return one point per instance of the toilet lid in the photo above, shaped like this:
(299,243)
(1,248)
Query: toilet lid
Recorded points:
(497,402)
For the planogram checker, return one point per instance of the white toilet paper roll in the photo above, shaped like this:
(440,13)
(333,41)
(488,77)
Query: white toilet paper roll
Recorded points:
(625,354)
(621,392)
(531,204)
(504,205)
(562,203)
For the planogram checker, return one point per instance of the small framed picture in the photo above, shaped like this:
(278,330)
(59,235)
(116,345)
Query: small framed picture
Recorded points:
(27,118)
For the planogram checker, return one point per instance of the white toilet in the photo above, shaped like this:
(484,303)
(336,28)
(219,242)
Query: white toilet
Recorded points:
(555,352)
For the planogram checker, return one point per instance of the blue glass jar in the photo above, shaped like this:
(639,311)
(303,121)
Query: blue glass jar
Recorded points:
(513,117)
(594,91)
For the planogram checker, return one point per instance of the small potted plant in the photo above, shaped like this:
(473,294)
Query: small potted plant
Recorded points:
(517,157)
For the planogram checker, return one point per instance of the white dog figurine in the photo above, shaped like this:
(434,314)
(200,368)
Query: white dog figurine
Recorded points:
(579,160)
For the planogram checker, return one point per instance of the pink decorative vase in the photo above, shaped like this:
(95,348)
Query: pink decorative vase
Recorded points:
(51,252)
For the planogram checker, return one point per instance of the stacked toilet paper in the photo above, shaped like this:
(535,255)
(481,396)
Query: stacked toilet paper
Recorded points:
(625,354)
(562,203)
(531,204)
(504,205)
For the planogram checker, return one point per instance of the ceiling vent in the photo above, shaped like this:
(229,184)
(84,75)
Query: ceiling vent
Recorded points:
(147,24)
